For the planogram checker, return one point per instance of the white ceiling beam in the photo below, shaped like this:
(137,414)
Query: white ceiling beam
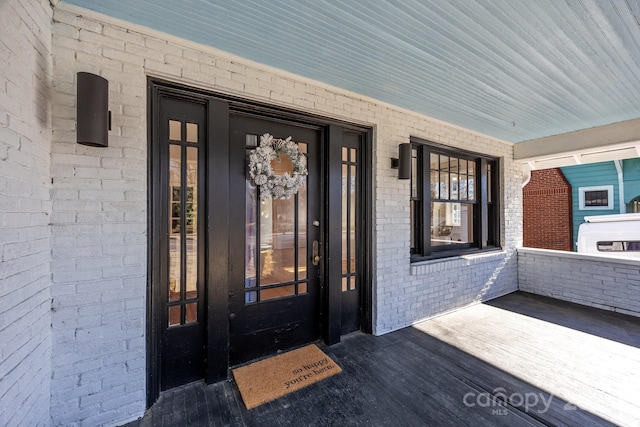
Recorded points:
(617,135)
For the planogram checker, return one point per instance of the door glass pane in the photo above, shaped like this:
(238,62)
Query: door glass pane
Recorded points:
(302,225)
(174,315)
(302,233)
(276,238)
(175,130)
(352,218)
(192,132)
(251,140)
(279,292)
(251,194)
(345,286)
(191,223)
(175,210)
(191,314)
(251,296)
(345,209)
(277,263)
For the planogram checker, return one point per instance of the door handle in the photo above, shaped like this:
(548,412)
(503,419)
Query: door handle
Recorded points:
(315,257)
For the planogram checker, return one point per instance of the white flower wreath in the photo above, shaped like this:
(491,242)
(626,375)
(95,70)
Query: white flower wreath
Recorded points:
(274,186)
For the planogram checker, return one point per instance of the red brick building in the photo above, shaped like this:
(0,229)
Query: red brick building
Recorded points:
(547,211)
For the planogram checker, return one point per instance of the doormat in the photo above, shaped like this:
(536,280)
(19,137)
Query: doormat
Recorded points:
(269,379)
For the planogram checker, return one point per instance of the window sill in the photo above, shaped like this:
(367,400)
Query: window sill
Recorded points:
(442,255)
(433,264)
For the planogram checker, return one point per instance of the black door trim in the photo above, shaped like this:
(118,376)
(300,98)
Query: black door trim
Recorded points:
(218,245)
(219,108)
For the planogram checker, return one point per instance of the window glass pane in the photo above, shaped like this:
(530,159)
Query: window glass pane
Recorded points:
(192,132)
(414,172)
(462,169)
(454,185)
(610,246)
(462,184)
(434,162)
(175,130)
(471,165)
(435,184)
(489,182)
(444,185)
(633,246)
(412,205)
(451,223)
(444,163)
(453,164)
(596,198)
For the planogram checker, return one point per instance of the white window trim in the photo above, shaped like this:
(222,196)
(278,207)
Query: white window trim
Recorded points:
(608,188)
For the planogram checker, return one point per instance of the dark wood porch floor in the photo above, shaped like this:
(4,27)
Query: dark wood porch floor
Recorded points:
(553,362)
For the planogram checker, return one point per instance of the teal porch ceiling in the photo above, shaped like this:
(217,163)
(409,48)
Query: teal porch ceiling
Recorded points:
(513,69)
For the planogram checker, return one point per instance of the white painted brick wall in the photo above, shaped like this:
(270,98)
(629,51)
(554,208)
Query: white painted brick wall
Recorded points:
(99,233)
(100,195)
(609,284)
(25,144)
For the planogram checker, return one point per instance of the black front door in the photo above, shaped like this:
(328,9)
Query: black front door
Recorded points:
(181,146)
(276,246)
(234,276)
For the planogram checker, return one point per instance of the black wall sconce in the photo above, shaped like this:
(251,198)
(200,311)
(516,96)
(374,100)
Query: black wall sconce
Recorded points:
(93,115)
(403,162)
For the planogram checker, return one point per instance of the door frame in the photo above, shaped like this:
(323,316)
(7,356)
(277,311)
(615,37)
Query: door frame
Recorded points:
(219,107)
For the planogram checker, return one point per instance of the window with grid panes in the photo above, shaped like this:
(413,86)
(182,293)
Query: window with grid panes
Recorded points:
(453,201)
